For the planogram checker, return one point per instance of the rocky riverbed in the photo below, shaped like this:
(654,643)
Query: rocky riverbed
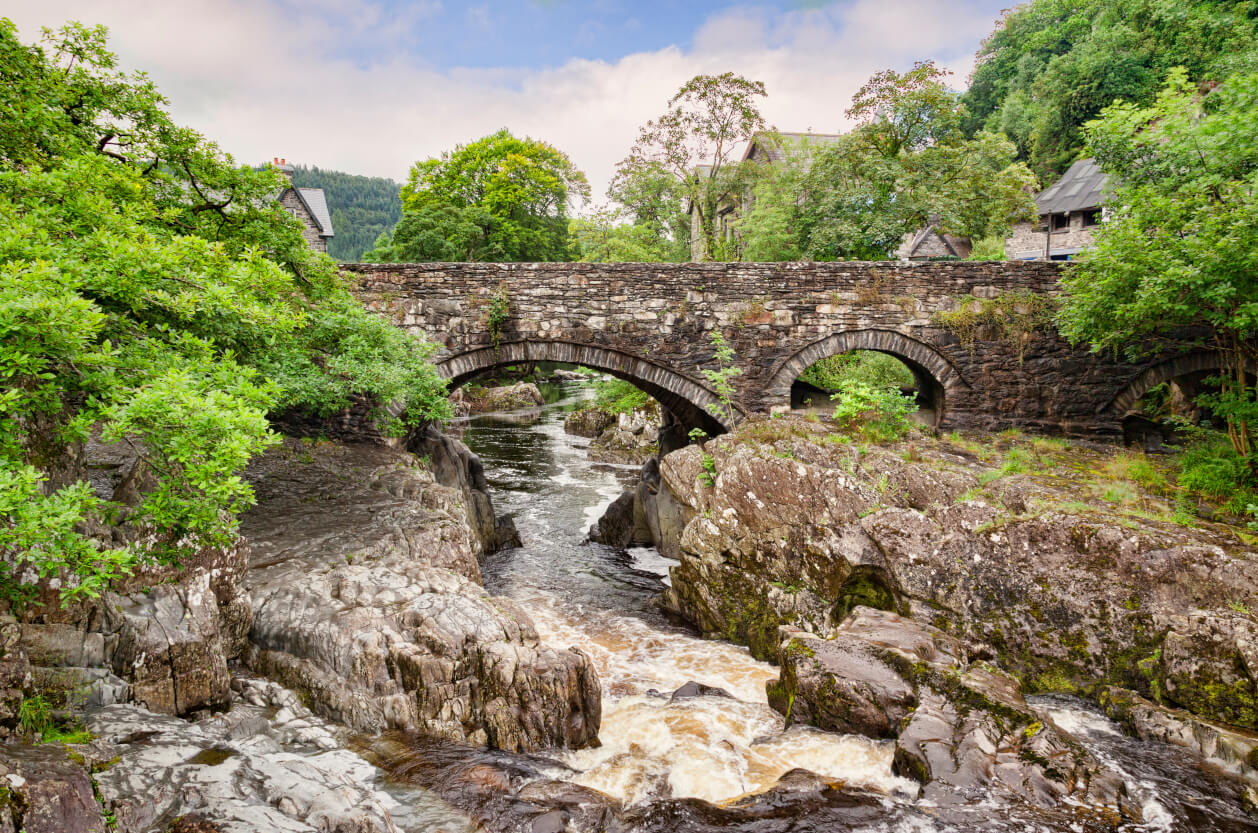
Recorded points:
(380,651)
(917,592)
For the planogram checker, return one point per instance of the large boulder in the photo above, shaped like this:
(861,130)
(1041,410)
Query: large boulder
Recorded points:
(631,440)
(504,398)
(588,422)
(366,598)
(959,726)
(786,524)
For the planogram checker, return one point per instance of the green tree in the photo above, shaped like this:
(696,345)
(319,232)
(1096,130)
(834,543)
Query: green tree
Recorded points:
(601,237)
(436,233)
(517,190)
(691,151)
(1051,65)
(906,164)
(152,291)
(1176,262)
(654,201)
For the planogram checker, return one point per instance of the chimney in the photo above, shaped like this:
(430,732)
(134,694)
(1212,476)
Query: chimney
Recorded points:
(285,168)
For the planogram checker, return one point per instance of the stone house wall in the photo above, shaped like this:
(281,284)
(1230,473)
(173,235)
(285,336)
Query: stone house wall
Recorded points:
(310,229)
(1027,240)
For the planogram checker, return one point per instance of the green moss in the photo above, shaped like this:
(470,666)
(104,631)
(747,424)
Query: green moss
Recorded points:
(863,587)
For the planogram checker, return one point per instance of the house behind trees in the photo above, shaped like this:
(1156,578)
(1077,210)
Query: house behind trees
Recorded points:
(763,149)
(308,205)
(1069,212)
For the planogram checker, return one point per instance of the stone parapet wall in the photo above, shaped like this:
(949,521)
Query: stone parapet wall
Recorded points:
(651,323)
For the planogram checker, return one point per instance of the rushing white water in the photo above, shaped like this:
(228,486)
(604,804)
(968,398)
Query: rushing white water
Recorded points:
(712,747)
(593,597)
(718,748)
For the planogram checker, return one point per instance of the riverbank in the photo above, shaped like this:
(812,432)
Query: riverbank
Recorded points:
(428,682)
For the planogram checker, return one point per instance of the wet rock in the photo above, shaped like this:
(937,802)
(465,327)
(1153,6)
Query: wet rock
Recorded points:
(43,791)
(588,422)
(692,689)
(796,530)
(1231,750)
(366,599)
(453,464)
(959,726)
(632,440)
(506,398)
(618,526)
(287,772)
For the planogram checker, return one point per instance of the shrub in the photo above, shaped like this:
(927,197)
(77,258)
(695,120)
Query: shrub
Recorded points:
(881,412)
(617,396)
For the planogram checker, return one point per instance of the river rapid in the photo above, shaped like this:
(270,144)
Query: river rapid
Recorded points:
(677,762)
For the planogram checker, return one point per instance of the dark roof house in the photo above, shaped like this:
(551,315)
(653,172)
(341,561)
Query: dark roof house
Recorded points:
(1081,188)
(1069,211)
(310,206)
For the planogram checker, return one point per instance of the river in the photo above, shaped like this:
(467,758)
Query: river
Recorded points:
(660,753)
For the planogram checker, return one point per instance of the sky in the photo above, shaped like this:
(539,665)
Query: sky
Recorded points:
(371,86)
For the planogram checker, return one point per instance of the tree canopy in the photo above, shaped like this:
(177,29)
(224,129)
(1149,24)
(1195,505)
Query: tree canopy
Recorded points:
(1175,265)
(691,154)
(905,165)
(1051,65)
(499,198)
(153,292)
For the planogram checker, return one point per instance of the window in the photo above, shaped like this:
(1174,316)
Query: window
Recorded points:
(1092,218)
(1060,222)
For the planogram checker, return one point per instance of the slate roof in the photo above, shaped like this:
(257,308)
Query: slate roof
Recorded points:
(317,205)
(792,144)
(1082,187)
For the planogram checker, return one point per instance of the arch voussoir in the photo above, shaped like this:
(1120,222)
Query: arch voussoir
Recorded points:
(1125,401)
(691,402)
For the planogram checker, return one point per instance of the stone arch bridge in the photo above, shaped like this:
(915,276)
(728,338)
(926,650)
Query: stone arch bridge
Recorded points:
(651,323)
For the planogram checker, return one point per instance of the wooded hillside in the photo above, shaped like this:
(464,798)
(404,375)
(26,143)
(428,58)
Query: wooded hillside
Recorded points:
(1051,65)
(361,206)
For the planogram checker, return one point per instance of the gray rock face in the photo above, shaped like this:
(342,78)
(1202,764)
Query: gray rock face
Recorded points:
(366,598)
(453,464)
(797,530)
(43,791)
(269,764)
(15,674)
(959,726)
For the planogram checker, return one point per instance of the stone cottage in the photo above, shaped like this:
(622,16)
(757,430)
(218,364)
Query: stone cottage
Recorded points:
(308,205)
(1069,212)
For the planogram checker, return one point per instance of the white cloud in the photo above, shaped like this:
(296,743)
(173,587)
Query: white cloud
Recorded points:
(264,79)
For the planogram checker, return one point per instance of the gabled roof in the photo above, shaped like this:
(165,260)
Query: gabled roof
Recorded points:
(317,206)
(792,144)
(1081,188)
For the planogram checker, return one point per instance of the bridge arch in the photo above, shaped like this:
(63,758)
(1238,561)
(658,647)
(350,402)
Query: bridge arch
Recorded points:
(1197,362)
(935,374)
(691,403)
